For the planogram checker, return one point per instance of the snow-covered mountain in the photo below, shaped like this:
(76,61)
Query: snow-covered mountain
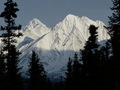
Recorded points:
(55,45)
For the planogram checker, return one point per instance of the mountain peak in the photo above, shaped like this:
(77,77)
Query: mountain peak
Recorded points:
(35,29)
(74,16)
(70,15)
(36,22)
(57,44)
(84,17)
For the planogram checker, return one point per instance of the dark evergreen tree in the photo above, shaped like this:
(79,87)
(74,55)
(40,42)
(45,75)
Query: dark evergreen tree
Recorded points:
(114,30)
(73,79)
(68,80)
(105,67)
(90,60)
(13,74)
(36,72)
(2,71)
(9,14)
(76,73)
(9,48)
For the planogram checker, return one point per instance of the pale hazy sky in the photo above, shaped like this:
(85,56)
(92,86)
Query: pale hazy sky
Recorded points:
(50,12)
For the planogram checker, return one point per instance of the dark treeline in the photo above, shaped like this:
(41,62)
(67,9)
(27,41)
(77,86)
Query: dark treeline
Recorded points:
(93,70)
(97,69)
(10,76)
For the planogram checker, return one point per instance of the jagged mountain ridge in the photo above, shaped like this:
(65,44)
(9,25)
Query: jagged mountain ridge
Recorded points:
(55,45)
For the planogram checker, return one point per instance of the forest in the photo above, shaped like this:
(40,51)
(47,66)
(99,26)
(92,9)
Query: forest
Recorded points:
(97,69)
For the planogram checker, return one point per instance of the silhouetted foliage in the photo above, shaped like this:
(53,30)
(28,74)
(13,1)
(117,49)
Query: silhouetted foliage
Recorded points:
(13,75)
(90,60)
(2,71)
(37,74)
(114,29)
(76,73)
(73,78)
(105,67)
(68,80)
(11,54)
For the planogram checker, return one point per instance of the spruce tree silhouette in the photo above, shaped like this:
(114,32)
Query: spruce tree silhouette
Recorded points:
(89,60)
(73,80)
(76,73)
(68,79)
(114,30)
(9,48)
(105,67)
(36,72)
(13,75)
(2,70)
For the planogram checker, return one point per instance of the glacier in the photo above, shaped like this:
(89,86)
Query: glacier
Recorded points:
(55,45)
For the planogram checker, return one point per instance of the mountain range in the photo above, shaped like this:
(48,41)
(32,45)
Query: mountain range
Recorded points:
(55,45)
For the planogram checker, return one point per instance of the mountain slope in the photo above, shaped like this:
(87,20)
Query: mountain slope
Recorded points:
(54,46)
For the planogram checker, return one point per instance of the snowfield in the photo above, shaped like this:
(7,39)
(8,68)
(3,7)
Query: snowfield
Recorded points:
(55,45)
